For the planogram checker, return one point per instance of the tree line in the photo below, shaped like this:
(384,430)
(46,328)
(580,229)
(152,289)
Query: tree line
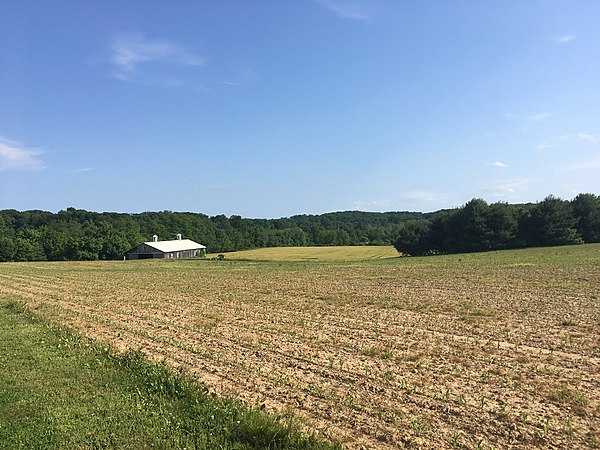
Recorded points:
(478,226)
(75,234)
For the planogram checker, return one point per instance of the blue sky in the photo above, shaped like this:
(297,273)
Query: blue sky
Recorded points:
(269,108)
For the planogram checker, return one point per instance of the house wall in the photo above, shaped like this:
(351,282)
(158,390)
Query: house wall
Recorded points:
(144,251)
(144,255)
(182,254)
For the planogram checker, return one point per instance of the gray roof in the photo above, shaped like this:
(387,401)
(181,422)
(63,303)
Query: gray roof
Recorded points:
(177,245)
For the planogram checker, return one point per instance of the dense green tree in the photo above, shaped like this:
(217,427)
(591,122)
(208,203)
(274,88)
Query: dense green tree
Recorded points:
(75,234)
(466,228)
(8,248)
(54,243)
(115,245)
(326,237)
(586,211)
(298,237)
(552,223)
(222,222)
(412,236)
(502,226)
(28,250)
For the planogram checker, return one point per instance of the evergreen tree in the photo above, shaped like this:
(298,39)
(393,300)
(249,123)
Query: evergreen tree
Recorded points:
(412,237)
(502,226)
(552,223)
(466,228)
(586,210)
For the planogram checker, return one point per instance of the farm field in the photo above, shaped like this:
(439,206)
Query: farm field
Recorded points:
(59,390)
(342,253)
(466,351)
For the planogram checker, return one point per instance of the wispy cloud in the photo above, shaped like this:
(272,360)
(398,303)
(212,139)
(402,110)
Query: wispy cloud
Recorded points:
(497,164)
(592,138)
(347,9)
(424,196)
(372,204)
(590,164)
(130,51)
(508,189)
(531,118)
(585,138)
(405,200)
(81,170)
(524,122)
(564,39)
(538,117)
(241,78)
(17,157)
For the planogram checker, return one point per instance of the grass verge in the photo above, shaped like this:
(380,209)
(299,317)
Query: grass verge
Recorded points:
(59,390)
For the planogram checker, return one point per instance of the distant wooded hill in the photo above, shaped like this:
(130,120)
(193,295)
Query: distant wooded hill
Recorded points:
(477,226)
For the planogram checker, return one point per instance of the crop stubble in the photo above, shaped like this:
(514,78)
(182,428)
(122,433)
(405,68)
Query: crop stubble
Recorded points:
(377,355)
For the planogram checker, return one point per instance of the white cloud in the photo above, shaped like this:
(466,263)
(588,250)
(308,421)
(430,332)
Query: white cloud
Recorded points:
(129,51)
(424,196)
(592,138)
(14,156)
(241,78)
(347,9)
(538,117)
(586,138)
(591,164)
(81,170)
(564,39)
(525,122)
(372,204)
(508,189)
(416,200)
(497,164)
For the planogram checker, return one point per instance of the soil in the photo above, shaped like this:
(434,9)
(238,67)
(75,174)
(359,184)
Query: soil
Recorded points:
(374,355)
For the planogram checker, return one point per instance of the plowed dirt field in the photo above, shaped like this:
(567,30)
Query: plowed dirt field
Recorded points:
(468,351)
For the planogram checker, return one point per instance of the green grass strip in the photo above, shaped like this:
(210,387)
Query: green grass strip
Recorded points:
(59,390)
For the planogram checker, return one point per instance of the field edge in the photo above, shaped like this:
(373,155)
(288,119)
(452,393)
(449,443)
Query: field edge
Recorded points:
(244,426)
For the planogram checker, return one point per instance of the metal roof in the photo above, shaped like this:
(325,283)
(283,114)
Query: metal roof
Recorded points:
(177,245)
